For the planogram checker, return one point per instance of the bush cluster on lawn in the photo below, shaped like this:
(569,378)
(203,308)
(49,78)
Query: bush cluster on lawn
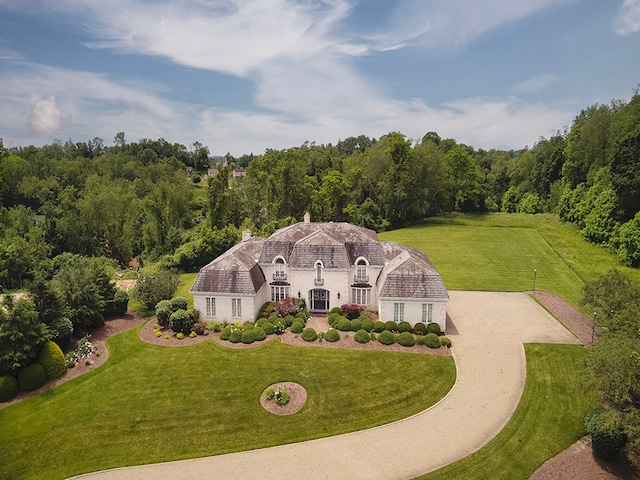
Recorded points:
(406,339)
(309,335)
(331,336)
(432,340)
(386,337)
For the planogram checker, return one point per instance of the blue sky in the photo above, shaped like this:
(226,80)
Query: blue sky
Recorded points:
(241,76)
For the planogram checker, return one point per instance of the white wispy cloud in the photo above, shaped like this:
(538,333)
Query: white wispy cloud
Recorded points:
(627,21)
(535,84)
(299,56)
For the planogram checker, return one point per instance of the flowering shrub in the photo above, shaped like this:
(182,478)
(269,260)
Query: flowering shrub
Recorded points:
(199,328)
(288,306)
(83,353)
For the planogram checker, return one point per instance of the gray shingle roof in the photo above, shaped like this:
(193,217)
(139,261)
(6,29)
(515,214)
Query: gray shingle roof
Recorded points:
(337,245)
(409,274)
(235,271)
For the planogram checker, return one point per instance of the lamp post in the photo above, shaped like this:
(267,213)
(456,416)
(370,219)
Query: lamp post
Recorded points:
(593,326)
(535,272)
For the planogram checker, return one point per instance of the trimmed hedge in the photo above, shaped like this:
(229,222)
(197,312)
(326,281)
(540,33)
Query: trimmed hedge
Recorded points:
(367,323)
(445,342)
(309,335)
(337,310)
(331,336)
(297,327)
(362,336)
(268,328)
(419,329)
(333,319)
(432,340)
(178,303)
(378,326)
(31,377)
(8,387)
(386,338)
(391,326)
(406,339)
(434,328)
(226,332)
(236,336)
(163,312)
(404,327)
(259,334)
(52,359)
(248,336)
(120,302)
(607,433)
(356,324)
(344,324)
(288,320)
(181,321)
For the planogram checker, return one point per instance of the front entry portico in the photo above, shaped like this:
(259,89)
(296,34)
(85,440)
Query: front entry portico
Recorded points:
(319,300)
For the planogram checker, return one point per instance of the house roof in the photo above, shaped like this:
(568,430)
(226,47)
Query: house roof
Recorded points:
(235,271)
(337,245)
(409,274)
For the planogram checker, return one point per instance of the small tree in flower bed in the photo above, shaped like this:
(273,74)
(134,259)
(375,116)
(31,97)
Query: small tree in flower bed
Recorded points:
(288,306)
(351,311)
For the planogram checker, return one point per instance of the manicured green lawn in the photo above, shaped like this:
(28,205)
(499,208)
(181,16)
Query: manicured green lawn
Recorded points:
(501,251)
(150,403)
(549,418)
(186,281)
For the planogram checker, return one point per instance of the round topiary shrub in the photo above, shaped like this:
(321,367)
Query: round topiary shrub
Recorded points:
(378,326)
(367,323)
(178,303)
(261,321)
(356,324)
(302,317)
(31,377)
(344,324)
(120,302)
(297,327)
(362,336)
(279,326)
(181,321)
(259,334)
(236,335)
(52,359)
(333,319)
(419,329)
(391,326)
(288,320)
(309,335)
(331,336)
(226,332)
(386,337)
(434,328)
(432,340)
(404,327)
(406,339)
(445,342)
(268,328)
(248,336)
(420,340)
(337,310)
(8,387)
(163,312)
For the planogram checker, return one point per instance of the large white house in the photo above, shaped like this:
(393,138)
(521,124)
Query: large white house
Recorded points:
(328,264)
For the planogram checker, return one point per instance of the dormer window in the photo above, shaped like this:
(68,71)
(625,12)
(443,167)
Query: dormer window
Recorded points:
(318,278)
(279,269)
(362,275)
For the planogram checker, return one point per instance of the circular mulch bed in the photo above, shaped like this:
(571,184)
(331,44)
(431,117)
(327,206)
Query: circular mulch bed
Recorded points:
(297,399)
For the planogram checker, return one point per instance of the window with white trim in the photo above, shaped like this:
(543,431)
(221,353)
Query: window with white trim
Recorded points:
(361,296)
(427,312)
(318,266)
(279,292)
(236,307)
(361,270)
(398,312)
(279,269)
(211,307)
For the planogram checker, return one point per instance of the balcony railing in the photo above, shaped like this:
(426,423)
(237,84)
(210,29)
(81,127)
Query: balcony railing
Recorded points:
(319,282)
(282,276)
(361,278)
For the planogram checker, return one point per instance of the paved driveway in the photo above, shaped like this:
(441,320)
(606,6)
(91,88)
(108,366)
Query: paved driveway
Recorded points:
(487,330)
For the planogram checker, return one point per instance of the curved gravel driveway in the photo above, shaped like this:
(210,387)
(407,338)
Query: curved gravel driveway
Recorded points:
(487,330)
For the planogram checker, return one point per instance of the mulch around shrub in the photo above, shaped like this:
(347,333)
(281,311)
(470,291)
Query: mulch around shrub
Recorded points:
(297,399)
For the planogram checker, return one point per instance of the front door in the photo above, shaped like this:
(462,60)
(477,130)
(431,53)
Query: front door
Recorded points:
(319,300)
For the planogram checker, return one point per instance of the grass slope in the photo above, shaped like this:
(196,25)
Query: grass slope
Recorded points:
(500,252)
(548,419)
(150,404)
